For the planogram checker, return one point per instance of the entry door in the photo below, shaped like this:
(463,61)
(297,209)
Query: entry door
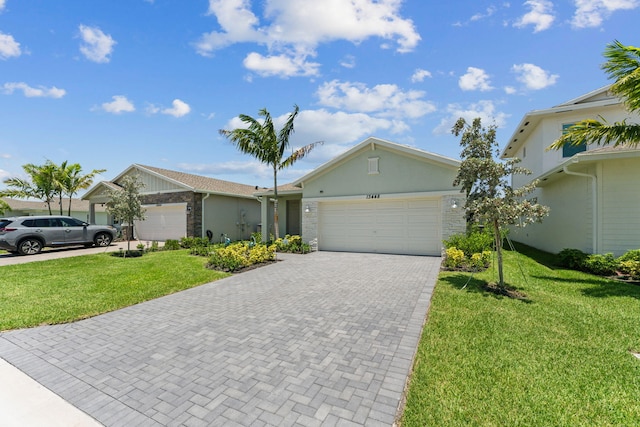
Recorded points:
(293,217)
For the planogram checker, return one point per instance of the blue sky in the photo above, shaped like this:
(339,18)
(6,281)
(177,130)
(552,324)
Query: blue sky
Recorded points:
(108,83)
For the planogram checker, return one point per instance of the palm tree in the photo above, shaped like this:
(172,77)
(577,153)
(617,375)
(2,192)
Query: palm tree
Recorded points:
(261,141)
(73,181)
(623,66)
(41,186)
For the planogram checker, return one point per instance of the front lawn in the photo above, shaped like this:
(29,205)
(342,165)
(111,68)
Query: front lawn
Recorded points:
(69,289)
(560,357)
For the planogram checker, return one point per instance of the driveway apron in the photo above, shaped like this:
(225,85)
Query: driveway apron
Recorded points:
(320,339)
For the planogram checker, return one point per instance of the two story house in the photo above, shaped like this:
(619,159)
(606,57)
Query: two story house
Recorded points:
(591,189)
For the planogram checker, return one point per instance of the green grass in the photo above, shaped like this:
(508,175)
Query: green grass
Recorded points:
(68,289)
(559,358)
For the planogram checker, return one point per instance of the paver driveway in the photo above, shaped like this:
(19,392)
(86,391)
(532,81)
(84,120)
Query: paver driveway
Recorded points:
(320,339)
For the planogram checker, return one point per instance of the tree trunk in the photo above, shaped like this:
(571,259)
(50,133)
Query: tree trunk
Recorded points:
(276,228)
(498,239)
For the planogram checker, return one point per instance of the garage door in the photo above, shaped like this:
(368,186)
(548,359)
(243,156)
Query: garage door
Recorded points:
(163,222)
(402,226)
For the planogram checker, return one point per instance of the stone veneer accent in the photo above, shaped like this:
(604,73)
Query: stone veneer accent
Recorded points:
(453,220)
(193,200)
(309,221)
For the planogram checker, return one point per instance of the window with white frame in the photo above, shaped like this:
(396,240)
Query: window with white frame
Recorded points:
(570,150)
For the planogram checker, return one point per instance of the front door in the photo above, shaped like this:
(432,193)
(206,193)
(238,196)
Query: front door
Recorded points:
(293,217)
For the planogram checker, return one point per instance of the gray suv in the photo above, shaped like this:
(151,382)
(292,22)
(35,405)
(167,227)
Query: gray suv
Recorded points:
(27,235)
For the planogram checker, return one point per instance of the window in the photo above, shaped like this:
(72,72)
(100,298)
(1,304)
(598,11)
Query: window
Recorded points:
(570,150)
(373,165)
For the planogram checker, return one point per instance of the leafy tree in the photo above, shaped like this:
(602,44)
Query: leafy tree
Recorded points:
(261,140)
(41,185)
(622,66)
(486,182)
(126,203)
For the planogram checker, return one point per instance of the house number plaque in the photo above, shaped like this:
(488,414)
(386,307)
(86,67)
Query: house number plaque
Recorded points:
(373,196)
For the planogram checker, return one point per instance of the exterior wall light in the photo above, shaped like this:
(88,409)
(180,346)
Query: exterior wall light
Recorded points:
(454,204)
(307,209)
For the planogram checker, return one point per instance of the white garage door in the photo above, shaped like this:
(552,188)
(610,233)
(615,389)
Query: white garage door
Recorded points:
(402,226)
(163,222)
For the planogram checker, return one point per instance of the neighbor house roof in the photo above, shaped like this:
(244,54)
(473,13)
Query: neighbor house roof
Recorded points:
(283,190)
(39,205)
(598,98)
(188,181)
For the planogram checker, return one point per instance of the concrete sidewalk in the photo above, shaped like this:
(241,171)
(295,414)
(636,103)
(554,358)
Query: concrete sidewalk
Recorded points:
(320,339)
(25,403)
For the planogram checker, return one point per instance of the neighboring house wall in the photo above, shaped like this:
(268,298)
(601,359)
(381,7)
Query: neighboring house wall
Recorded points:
(234,217)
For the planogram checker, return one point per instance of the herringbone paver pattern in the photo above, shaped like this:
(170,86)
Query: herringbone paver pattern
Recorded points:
(323,339)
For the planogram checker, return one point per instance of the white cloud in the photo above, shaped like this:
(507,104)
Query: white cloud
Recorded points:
(348,61)
(475,79)
(509,90)
(534,77)
(179,109)
(385,100)
(419,75)
(120,104)
(8,46)
(32,92)
(2,5)
(479,16)
(540,15)
(485,109)
(295,28)
(4,175)
(280,65)
(97,46)
(591,13)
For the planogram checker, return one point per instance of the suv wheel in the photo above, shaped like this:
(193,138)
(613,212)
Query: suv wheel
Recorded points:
(30,246)
(102,239)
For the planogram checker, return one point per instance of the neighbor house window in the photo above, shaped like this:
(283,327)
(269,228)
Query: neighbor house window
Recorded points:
(570,150)
(373,165)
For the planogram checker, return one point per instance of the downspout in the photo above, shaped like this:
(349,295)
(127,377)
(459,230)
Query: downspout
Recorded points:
(203,232)
(594,203)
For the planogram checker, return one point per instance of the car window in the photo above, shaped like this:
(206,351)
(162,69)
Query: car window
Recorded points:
(71,222)
(4,223)
(40,222)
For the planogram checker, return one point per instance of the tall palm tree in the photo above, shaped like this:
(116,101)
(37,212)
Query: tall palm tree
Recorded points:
(623,66)
(261,141)
(73,181)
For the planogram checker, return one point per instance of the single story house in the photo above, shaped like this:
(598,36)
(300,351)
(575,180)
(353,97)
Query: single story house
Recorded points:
(378,196)
(180,204)
(79,209)
(591,189)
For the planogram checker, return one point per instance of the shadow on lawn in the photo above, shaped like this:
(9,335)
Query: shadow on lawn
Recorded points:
(479,286)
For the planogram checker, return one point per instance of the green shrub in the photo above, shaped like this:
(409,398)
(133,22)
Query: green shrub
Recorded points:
(630,267)
(572,258)
(171,245)
(632,255)
(601,265)
(190,242)
(199,250)
(476,241)
(154,247)
(480,260)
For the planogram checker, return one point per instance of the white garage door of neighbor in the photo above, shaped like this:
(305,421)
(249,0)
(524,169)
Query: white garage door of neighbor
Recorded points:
(401,226)
(163,222)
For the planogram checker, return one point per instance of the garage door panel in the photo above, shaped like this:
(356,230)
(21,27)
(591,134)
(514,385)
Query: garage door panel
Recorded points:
(163,222)
(403,226)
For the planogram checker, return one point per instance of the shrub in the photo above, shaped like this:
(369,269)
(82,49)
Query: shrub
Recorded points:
(292,244)
(480,260)
(239,255)
(190,242)
(171,245)
(601,265)
(572,258)
(476,241)
(630,267)
(154,247)
(454,258)
(200,250)
(632,255)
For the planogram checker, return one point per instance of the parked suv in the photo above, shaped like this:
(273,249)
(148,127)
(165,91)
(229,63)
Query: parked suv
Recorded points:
(27,235)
